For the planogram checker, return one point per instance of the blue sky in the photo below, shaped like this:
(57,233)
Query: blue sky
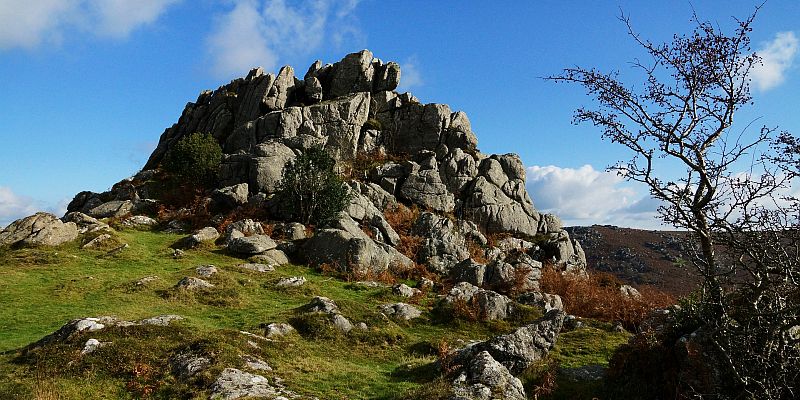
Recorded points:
(89,85)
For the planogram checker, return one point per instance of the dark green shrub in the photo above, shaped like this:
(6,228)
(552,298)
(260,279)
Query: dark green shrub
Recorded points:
(195,158)
(310,191)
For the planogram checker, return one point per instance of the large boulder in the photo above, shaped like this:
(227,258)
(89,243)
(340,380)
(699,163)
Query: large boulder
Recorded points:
(518,350)
(353,74)
(346,246)
(40,229)
(489,305)
(255,244)
(115,208)
(234,384)
(445,241)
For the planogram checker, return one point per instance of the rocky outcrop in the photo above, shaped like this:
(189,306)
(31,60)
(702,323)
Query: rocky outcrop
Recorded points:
(394,148)
(91,324)
(40,229)
(520,349)
(486,379)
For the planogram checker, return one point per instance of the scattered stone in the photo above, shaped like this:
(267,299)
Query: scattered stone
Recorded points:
(278,329)
(403,290)
(234,384)
(85,223)
(145,280)
(274,257)
(245,227)
(177,253)
(401,311)
(362,326)
(187,365)
(116,208)
(257,267)
(231,196)
(542,300)
(630,292)
(161,320)
(91,345)
(370,284)
(40,229)
(71,328)
(294,281)
(206,271)
(206,235)
(192,283)
(322,305)
(486,379)
(137,221)
(177,226)
(425,284)
(255,244)
(98,242)
(256,363)
(294,231)
(341,323)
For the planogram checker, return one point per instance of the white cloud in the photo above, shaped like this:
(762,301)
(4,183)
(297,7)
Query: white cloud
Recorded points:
(585,196)
(238,42)
(259,33)
(776,58)
(118,18)
(14,206)
(30,24)
(410,76)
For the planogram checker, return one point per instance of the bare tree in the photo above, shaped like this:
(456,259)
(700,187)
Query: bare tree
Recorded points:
(726,195)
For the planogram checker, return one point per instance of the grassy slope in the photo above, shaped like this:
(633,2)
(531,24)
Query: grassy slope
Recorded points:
(41,289)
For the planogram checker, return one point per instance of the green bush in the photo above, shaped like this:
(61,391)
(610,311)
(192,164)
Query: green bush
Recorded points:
(310,191)
(195,158)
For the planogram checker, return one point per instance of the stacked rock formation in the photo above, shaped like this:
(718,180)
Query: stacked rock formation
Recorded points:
(351,109)
(423,154)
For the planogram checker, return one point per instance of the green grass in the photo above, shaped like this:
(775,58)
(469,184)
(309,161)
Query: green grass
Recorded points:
(41,289)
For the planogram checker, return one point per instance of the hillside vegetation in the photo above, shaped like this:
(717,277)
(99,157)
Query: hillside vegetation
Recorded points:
(46,287)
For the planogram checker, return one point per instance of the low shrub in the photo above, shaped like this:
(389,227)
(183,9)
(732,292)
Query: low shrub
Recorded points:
(195,158)
(310,190)
(598,296)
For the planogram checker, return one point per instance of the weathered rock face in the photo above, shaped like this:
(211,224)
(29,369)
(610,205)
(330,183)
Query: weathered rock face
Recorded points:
(40,229)
(520,349)
(486,379)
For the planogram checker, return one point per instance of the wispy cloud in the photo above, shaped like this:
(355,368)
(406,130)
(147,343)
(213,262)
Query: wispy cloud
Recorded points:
(118,18)
(585,196)
(30,24)
(260,33)
(410,74)
(776,59)
(14,206)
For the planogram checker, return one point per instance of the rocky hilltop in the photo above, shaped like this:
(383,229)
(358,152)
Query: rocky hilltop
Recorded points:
(425,205)
(420,154)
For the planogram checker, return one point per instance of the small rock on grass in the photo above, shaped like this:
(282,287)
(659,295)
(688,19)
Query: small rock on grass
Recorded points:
(400,311)
(295,281)
(404,290)
(191,283)
(206,271)
(257,267)
(278,329)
